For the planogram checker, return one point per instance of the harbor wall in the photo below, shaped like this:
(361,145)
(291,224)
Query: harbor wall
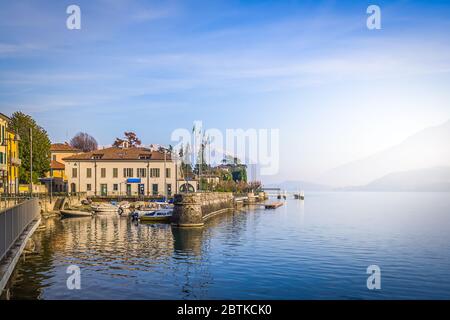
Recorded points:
(193,209)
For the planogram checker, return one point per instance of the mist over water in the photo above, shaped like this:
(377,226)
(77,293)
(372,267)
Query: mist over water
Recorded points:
(316,249)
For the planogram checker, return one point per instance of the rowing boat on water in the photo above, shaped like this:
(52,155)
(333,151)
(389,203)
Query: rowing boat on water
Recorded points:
(71,213)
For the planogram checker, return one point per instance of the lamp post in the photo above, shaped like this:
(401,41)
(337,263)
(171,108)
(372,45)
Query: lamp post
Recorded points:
(31,162)
(165,174)
(51,184)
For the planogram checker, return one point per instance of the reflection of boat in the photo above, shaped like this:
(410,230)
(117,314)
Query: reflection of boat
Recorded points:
(72,213)
(105,208)
(158,215)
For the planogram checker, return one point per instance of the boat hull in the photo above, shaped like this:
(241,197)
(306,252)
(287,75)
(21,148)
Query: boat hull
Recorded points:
(75,213)
(155,219)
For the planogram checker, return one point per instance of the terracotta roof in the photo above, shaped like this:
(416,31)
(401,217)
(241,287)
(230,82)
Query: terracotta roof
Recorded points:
(5,117)
(116,153)
(55,165)
(63,147)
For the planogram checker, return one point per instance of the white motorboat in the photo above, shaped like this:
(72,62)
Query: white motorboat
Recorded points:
(105,208)
(149,209)
(137,213)
(158,215)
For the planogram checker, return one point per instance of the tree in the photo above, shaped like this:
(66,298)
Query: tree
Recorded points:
(130,138)
(84,142)
(21,124)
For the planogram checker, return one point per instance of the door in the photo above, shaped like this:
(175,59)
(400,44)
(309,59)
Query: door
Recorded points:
(141,189)
(128,189)
(155,189)
(104,190)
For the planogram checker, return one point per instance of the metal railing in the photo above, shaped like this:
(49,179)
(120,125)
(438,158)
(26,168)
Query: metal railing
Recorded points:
(13,222)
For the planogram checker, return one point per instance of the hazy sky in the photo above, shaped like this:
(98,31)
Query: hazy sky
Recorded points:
(336,90)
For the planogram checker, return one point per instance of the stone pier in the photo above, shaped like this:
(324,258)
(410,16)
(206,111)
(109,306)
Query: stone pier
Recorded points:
(193,209)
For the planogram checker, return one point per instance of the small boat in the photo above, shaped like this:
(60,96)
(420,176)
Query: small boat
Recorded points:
(123,208)
(273,205)
(296,196)
(302,195)
(137,213)
(158,215)
(72,213)
(105,208)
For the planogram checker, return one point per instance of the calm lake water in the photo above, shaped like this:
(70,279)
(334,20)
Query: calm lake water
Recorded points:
(316,249)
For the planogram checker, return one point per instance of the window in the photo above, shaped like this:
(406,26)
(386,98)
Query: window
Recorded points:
(74,172)
(115,173)
(144,157)
(154,172)
(115,187)
(127,172)
(1,157)
(155,189)
(54,157)
(167,172)
(103,172)
(88,187)
(141,172)
(88,172)
(97,156)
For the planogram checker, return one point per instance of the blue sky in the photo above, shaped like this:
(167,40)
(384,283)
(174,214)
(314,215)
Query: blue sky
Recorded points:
(336,90)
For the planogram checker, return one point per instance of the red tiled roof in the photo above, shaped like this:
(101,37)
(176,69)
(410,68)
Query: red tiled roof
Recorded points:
(55,165)
(5,117)
(63,147)
(115,153)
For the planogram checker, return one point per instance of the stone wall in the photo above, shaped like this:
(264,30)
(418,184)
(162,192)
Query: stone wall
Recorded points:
(192,209)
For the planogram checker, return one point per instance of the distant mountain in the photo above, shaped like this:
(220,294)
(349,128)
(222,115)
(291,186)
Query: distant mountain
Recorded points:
(426,149)
(431,179)
(292,185)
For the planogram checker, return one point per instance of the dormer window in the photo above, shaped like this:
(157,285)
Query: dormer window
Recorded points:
(97,156)
(144,157)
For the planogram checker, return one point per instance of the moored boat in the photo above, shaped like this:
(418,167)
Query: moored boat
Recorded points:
(73,213)
(162,215)
(104,208)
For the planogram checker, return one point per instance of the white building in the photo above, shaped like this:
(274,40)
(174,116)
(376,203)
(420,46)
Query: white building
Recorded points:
(124,171)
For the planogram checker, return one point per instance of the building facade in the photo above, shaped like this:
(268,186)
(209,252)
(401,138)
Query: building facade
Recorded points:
(13,161)
(3,153)
(122,171)
(56,179)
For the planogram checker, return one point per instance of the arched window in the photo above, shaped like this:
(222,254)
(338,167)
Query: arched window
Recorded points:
(186,188)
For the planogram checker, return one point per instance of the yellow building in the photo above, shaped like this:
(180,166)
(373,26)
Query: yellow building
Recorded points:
(56,179)
(13,161)
(3,152)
